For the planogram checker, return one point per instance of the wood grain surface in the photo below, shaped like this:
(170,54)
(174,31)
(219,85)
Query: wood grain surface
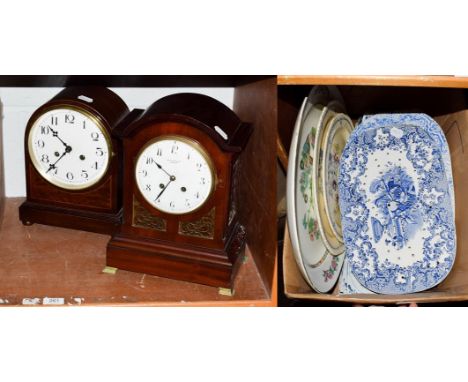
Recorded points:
(257,103)
(429,81)
(42,261)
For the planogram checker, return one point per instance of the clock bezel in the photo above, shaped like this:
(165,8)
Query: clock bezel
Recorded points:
(195,145)
(101,126)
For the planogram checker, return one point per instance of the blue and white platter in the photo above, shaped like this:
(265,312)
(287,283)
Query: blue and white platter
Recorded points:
(397,206)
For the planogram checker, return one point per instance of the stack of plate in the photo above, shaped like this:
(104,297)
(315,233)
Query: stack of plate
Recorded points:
(382,194)
(320,135)
(397,202)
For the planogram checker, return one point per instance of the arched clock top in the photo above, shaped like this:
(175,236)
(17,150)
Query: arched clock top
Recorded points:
(214,118)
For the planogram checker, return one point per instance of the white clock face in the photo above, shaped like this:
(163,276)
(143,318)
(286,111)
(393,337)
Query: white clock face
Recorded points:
(69,149)
(174,175)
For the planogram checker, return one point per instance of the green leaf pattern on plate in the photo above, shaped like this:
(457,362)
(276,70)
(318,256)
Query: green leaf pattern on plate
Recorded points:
(308,222)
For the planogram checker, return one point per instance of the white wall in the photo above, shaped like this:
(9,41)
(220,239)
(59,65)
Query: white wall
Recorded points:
(20,103)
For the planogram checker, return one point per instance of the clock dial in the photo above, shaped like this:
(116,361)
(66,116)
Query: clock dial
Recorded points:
(69,148)
(174,175)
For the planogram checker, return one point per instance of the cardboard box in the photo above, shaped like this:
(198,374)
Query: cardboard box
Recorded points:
(455,286)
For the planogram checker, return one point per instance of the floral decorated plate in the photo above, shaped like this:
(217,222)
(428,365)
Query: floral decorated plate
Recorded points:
(335,138)
(319,268)
(319,188)
(397,214)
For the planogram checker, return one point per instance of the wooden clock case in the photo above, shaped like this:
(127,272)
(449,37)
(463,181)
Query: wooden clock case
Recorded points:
(203,246)
(97,208)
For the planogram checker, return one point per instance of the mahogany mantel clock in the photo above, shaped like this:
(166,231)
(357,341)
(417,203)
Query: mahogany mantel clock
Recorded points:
(181,196)
(73,162)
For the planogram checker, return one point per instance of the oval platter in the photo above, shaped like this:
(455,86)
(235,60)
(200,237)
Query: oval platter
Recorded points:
(397,215)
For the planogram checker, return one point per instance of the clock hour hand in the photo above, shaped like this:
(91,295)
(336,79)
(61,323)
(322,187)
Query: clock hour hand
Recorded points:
(160,167)
(55,134)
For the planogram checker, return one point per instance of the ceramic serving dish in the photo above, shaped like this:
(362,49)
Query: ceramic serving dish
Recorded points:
(348,284)
(397,210)
(318,266)
(319,187)
(335,138)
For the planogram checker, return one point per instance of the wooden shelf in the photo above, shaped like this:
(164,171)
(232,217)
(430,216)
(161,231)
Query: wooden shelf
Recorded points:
(42,261)
(419,81)
(129,81)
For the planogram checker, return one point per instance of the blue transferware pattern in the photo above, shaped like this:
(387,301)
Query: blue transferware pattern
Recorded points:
(395,197)
(397,213)
(348,283)
(414,119)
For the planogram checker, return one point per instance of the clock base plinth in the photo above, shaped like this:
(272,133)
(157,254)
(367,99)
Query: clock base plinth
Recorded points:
(213,267)
(98,222)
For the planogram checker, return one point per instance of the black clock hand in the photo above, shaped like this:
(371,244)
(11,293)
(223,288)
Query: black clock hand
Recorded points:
(160,167)
(164,189)
(55,134)
(52,166)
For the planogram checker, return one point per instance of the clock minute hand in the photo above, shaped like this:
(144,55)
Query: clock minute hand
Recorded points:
(52,166)
(164,189)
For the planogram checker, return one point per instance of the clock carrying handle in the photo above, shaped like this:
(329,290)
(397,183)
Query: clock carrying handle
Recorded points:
(98,100)
(206,113)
